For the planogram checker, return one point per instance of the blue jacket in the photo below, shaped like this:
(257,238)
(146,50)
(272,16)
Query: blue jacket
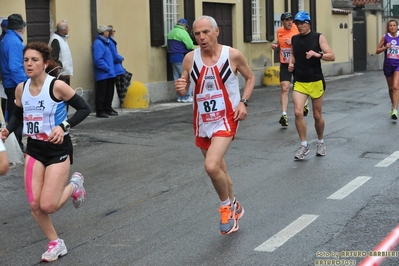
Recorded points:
(12,60)
(118,59)
(102,59)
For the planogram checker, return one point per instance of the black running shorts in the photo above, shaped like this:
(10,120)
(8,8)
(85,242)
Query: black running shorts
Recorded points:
(285,75)
(48,153)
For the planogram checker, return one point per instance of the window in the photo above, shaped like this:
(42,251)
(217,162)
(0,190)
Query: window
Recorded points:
(163,17)
(301,5)
(169,16)
(256,16)
(277,21)
(257,27)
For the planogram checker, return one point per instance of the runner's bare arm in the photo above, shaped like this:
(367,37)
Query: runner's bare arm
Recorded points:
(239,64)
(63,91)
(381,48)
(182,84)
(328,54)
(291,63)
(18,94)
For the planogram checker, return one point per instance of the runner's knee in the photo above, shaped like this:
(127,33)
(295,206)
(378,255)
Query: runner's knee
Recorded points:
(211,167)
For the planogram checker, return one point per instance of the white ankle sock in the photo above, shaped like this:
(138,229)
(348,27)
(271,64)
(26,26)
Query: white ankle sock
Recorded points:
(225,203)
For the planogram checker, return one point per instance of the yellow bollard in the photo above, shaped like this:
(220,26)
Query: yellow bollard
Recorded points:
(136,96)
(271,76)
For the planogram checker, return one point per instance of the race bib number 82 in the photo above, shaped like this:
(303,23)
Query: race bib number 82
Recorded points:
(211,106)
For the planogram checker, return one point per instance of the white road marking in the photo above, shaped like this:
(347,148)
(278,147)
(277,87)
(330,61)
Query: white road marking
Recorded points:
(284,235)
(389,160)
(349,188)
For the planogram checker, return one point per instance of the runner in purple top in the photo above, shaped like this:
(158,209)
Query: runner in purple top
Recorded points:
(389,44)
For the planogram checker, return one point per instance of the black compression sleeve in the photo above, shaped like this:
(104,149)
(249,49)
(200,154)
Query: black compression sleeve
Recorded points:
(82,110)
(15,120)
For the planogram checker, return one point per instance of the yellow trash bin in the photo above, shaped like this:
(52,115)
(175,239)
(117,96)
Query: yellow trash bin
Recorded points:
(136,96)
(271,76)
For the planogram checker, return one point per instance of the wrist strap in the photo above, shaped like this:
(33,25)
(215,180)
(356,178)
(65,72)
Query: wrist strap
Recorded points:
(65,126)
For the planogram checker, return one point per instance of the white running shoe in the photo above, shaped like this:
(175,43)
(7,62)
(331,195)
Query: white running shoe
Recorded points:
(301,152)
(55,249)
(320,149)
(188,100)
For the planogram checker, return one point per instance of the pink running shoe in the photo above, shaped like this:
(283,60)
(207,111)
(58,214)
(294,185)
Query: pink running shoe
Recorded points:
(79,194)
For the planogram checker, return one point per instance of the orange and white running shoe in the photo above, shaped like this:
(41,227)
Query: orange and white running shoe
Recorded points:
(239,211)
(227,219)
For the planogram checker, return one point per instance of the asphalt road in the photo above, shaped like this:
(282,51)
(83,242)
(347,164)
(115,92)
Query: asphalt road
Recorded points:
(151,203)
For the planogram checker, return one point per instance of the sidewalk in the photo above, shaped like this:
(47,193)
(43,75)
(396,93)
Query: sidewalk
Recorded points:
(167,105)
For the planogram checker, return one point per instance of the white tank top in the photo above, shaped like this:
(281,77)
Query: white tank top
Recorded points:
(216,94)
(43,112)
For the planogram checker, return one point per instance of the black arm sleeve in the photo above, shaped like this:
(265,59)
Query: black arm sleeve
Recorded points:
(15,120)
(82,110)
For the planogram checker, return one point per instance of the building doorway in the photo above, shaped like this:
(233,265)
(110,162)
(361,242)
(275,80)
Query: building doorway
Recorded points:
(38,20)
(359,42)
(222,13)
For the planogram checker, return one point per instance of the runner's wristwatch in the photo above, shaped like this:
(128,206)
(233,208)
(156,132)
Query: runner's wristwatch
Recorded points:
(245,101)
(65,126)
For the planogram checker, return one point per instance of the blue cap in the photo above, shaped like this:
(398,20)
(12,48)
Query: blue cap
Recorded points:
(183,21)
(302,16)
(4,23)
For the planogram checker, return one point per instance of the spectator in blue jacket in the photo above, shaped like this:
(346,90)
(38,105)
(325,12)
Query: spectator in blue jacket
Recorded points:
(4,24)
(104,73)
(12,63)
(118,59)
(179,44)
